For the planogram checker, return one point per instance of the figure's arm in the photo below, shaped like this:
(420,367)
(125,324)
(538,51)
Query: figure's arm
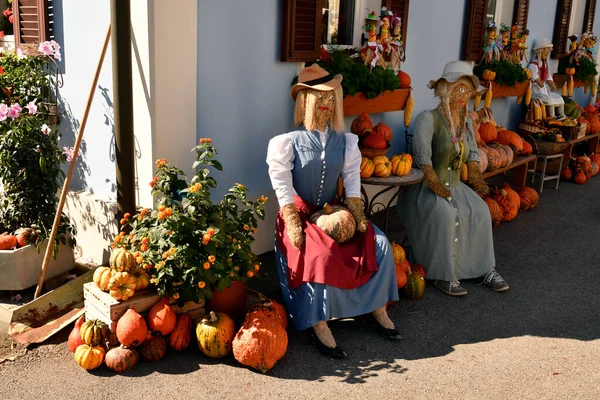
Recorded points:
(422,151)
(474,177)
(535,74)
(351,179)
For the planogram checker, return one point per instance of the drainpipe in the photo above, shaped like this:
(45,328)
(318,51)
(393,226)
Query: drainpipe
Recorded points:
(120,19)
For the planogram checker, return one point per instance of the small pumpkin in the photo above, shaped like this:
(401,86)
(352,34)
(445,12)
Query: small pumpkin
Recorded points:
(383,130)
(121,260)
(102,277)
(401,273)
(25,236)
(366,168)
(527,148)
(142,279)
(404,79)
(260,343)
(361,125)
(74,340)
(418,269)
(495,210)
(93,332)
(507,205)
(489,75)
(483,158)
(415,286)
(8,242)
(398,252)
(566,174)
(529,198)
(488,132)
(180,336)
(401,164)
(580,178)
(122,285)
(153,349)
(131,329)
(512,193)
(215,334)
(336,221)
(269,309)
(121,359)
(161,317)
(383,167)
(89,357)
(570,71)
(375,141)
(494,159)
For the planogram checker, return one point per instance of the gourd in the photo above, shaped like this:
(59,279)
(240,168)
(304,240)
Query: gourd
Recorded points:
(529,198)
(512,139)
(102,277)
(527,148)
(383,130)
(495,210)
(415,286)
(121,359)
(269,309)
(402,273)
(121,260)
(366,168)
(375,141)
(494,160)
(153,349)
(418,269)
(398,252)
(404,79)
(215,334)
(93,332)
(336,221)
(161,317)
(483,159)
(488,132)
(142,279)
(88,357)
(383,167)
(8,242)
(131,329)
(361,125)
(401,164)
(122,285)
(513,194)
(74,340)
(180,336)
(507,205)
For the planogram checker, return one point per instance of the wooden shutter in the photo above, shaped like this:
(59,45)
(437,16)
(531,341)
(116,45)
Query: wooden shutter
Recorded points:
(561,27)
(400,7)
(520,13)
(32,21)
(301,28)
(588,18)
(474,30)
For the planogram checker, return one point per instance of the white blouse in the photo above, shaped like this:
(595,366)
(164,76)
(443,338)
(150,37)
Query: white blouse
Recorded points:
(280,158)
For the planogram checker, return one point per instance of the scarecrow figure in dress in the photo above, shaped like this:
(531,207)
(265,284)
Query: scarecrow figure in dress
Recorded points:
(543,82)
(372,53)
(397,53)
(319,277)
(504,40)
(447,223)
(492,49)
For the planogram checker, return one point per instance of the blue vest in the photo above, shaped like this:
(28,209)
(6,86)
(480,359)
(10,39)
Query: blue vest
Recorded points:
(316,170)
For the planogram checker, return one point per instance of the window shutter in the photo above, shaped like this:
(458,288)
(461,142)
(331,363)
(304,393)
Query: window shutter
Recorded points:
(301,29)
(561,27)
(474,30)
(32,21)
(400,7)
(588,18)
(520,13)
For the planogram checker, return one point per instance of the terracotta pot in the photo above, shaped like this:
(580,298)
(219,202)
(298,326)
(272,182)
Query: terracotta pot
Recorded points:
(231,301)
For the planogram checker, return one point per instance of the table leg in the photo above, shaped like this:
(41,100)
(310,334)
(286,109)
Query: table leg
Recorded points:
(367,206)
(387,210)
(521,175)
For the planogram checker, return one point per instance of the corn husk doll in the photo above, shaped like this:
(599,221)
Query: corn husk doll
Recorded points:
(372,53)
(492,49)
(397,47)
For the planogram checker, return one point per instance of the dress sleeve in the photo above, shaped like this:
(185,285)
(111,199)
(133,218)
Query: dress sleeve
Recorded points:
(473,152)
(351,168)
(280,158)
(535,72)
(422,139)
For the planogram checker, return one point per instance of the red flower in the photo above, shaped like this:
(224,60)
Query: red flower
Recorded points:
(11,19)
(7,12)
(1,70)
(1,34)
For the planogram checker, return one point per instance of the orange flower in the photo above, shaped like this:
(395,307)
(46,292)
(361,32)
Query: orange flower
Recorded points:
(161,163)
(161,215)
(231,274)
(123,221)
(250,274)
(254,231)
(122,234)
(211,259)
(127,215)
(153,181)
(169,211)
(206,140)
(263,199)
(236,268)
(131,236)
(201,285)
(229,260)
(246,228)
(139,259)
(170,231)
(195,187)
(206,265)
(118,239)
(256,267)
(176,296)
(165,255)
(210,231)
(144,247)
(146,239)
(147,266)
(206,238)
(143,211)
(162,208)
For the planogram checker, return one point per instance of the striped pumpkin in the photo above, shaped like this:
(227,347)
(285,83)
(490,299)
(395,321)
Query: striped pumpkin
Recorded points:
(142,279)
(383,167)
(336,221)
(215,334)
(401,164)
(88,357)
(101,278)
(121,359)
(179,338)
(366,168)
(121,260)
(153,349)
(93,332)
(415,286)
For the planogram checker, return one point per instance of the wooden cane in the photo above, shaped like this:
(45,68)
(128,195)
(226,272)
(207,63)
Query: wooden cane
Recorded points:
(65,188)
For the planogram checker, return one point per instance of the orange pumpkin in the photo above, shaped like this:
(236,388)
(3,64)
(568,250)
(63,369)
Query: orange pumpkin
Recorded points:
(366,168)
(161,317)
(529,198)
(566,174)
(512,139)
(383,130)
(507,205)
(404,79)
(400,276)
(231,300)
(418,269)
(121,359)
(489,75)
(121,260)
(401,164)
(527,148)
(361,125)
(494,159)
(488,132)
(580,178)
(269,309)
(153,349)
(75,340)
(513,194)
(383,167)
(399,253)
(180,336)
(131,329)
(505,154)
(483,158)
(495,210)
(375,141)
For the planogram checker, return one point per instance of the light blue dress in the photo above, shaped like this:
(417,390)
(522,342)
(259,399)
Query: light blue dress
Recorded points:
(315,173)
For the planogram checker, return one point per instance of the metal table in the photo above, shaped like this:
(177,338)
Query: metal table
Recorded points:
(392,183)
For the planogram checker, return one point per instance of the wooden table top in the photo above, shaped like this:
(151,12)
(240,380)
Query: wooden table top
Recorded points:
(414,176)
(518,160)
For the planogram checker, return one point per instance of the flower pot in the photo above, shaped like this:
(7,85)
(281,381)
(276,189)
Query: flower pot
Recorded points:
(231,300)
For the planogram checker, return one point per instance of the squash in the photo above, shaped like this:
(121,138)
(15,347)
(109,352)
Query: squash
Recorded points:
(595,168)
(404,79)
(375,141)
(231,300)
(566,174)
(336,221)
(161,317)
(383,167)
(594,120)
(366,168)
(121,359)
(527,148)
(25,236)
(495,210)
(505,153)
(269,309)
(529,198)
(418,269)
(121,260)
(507,205)
(570,71)
(131,329)
(483,158)
(74,340)
(93,332)
(494,160)
(580,178)
(361,125)
(595,157)
(102,277)
(401,164)
(489,75)
(513,194)
(215,334)
(180,336)
(142,279)
(400,276)
(8,242)
(122,285)
(260,343)
(153,349)
(415,286)
(88,357)
(398,252)
(488,132)
(512,139)
(383,130)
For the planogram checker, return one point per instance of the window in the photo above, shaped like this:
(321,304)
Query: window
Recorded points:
(338,18)
(490,15)
(561,27)
(32,21)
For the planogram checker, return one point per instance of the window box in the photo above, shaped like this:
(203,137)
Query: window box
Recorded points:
(560,79)
(517,90)
(394,100)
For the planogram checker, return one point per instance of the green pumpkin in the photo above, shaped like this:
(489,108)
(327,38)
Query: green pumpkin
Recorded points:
(93,332)
(415,286)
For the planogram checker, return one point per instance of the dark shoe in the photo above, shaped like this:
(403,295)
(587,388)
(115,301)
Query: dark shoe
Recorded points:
(495,281)
(331,352)
(452,288)
(391,334)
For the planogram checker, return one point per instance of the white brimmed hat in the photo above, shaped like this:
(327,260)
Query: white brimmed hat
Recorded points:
(315,77)
(455,70)
(542,43)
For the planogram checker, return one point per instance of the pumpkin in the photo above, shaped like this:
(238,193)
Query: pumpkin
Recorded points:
(594,122)
(180,336)
(88,357)
(489,75)
(366,168)
(375,141)
(527,148)
(529,198)
(591,109)
(418,269)
(231,300)
(74,340)
(483,159)
(260,343)
(280,313)
(512,139)
(8,242)
(495,210)
(25,236)
(142,279)
(488,132)
(401,164)
(153,349)
(580,178)
(570,71)
(513,194)
(595,157)
(102,277)
(594,168)
(404,79)
(121,359)
(93,332)
(215,334)
(415,286)
(336,221)
(566,174)
(361,125)
(121,260)
(131,329)
(400,276)
(383,130)
(494,160)
(122,285)
(398,252)
(161,317)
(269,309)
(507,205)
(383,167)
(505,153)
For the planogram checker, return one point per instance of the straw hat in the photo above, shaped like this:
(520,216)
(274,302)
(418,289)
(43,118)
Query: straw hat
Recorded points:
(455,70)
(316,78)
(542,44)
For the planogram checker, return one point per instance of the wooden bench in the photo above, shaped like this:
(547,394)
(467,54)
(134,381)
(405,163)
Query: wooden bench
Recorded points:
(520,164)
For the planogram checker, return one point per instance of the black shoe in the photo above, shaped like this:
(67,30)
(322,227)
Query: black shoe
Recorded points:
(391,334)
(330,352)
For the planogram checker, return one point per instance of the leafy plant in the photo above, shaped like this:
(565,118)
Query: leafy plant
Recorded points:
(190,245)
(585,69)
(507,73)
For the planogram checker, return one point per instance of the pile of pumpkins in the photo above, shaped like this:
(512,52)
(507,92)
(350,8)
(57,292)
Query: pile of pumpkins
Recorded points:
(581,168)
(376,137)
(259,343)
(21,238)
(123,278)
(505,203)
(410,278)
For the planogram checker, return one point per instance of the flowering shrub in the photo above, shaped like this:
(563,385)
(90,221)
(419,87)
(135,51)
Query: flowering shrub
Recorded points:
(189,245)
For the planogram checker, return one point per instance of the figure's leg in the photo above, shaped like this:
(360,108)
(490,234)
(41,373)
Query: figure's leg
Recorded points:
(550,111)
(384,325)
(325,342)
(560,112)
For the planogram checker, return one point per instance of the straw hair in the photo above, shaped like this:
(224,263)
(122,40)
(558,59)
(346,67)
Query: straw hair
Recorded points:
(442,90)
(305,110)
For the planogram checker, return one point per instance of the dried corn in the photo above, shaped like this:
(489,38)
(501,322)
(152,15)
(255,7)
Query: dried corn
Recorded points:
(571,86)
(488,98)
(594,89)
(537,112)
(585,89)
(543,109)
(477,101)
(519,100)
(528,95)
(410,103)
(564,90)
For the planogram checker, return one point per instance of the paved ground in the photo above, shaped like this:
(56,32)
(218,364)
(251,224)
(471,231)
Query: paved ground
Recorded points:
(538,340)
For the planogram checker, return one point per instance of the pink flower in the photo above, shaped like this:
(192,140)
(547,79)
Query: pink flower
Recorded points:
(69,152)
(20,54)
(14,110)
(454,139)
(32,107)
(46,48)
(46,130)
(3,111)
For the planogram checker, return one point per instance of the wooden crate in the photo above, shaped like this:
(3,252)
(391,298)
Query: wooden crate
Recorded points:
(101,305)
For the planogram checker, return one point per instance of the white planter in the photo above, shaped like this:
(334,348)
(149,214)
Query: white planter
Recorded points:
(22,268)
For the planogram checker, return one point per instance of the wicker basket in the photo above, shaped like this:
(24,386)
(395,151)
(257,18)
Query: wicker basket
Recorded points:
(372,153)
(546,148)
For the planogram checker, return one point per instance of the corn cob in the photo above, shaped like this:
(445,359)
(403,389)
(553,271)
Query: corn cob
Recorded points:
(571,86)
(528,95)
(537,112)
(585,89)
(564,90)
(543,109)
(410,103)
(477,101)
(519,100)
(488,98)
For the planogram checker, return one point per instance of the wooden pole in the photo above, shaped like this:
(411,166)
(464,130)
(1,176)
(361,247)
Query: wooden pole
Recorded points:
(65,189)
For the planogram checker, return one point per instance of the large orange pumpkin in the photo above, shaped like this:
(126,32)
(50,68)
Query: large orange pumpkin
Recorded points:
(131,329)
(401,164)
(75,340)
(495,210)
(375,141)
(161,317)
(180,336)
(402,270)
(215,334)
(336,221)
(507,205)
(383,130)
(383,167)
(260,343)
(399,253)
(269,309)
(529,198)
(512,139)
(366,168)
(361,125)
(121,359)
(231,300)
(404,79)
(488,132)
